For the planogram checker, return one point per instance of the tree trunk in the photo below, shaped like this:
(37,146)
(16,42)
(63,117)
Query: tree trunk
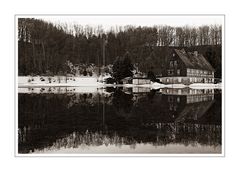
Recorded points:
(44,55)
(33,54)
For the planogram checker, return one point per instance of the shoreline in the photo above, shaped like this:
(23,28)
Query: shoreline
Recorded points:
(63,81)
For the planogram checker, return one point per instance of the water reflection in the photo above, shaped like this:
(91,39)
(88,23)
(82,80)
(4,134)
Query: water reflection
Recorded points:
(147,121)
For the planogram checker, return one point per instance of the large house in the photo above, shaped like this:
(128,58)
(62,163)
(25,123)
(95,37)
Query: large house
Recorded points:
(186,68)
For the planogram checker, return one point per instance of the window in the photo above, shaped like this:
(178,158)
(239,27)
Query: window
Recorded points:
(175,108)
(171,63)
(175,63)
(178,71)
(173,54)
(170,72)
(170,99)
(178,99)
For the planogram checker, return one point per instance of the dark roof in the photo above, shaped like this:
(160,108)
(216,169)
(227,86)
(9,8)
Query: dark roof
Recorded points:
(194,109)
(194,61)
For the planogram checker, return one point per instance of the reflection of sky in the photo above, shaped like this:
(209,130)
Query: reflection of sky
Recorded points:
(100,143)
(138,148)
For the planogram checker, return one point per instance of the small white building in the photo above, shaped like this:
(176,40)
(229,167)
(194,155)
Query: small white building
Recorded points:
(141,80)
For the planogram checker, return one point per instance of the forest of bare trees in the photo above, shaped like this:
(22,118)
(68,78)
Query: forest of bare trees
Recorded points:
(44,47)
(189,36)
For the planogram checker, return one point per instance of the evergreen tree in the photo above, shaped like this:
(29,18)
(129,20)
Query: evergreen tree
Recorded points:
(122,68)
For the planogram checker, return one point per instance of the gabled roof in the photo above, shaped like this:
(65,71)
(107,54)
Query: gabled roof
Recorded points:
(194,110)
(194,61)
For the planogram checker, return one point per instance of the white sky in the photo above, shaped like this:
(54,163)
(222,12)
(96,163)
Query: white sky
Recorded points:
(109,21)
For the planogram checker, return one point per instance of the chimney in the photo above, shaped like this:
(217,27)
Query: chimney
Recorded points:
(195,53)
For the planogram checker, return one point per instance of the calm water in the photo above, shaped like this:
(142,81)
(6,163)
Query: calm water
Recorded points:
(119,120)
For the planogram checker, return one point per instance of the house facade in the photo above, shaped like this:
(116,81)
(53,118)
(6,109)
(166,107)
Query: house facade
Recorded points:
(187,68)
(140,80)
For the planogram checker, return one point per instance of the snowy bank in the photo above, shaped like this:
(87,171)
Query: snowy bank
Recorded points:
(57,81)
(156,85)
(63,81)
(193,86)
(205,86)
(62,90)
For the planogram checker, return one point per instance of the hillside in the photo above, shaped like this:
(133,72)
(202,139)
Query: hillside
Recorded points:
(44,48)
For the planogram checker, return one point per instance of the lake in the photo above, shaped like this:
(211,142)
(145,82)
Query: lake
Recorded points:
(82,120)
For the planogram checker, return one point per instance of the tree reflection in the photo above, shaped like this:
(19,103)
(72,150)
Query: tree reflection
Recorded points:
(122,101)
(74,120)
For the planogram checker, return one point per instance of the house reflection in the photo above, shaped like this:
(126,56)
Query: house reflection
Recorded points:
(181,115)
(190,104)
(120,117)
(178,103)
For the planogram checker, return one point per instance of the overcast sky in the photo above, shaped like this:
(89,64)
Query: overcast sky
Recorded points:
(109,21)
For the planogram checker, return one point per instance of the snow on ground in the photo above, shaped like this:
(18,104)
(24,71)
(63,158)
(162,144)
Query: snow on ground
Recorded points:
(37,82)
(57,81)
(57,90)
(193,86)
(158,85)
(61,90)
(205,86)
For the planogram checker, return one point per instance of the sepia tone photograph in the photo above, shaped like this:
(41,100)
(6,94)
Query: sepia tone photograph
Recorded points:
(119,85)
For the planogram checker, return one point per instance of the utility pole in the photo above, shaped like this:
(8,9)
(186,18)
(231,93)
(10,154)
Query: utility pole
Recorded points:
(99,72)
(103,115)
(103,49)
(104,42)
